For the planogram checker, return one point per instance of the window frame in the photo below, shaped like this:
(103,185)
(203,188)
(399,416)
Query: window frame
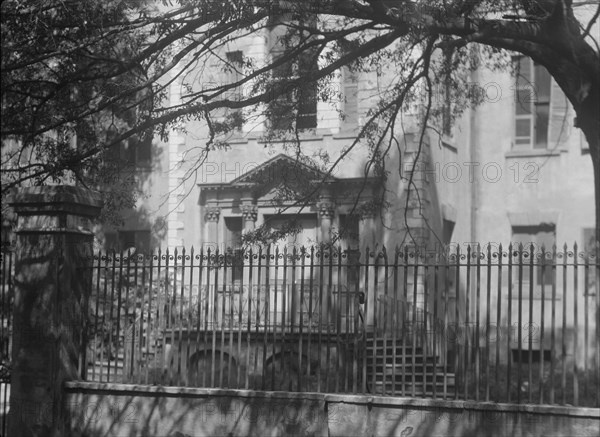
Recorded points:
(536,74)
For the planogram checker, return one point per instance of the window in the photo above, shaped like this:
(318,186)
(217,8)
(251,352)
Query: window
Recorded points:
(124,240)
(136,151)
(350,99)
(542,235)
(233,74)
(532,104)
(297,106)
(140,151)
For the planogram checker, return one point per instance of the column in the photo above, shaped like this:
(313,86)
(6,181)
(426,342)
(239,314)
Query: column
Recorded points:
(54,241)
(326,210)
(249,216)
(211,236)
(366,230)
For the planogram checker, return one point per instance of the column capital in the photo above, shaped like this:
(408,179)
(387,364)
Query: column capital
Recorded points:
(326,208)
(212,213)
(250,212)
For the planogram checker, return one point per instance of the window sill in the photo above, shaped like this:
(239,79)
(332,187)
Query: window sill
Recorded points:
(532,153)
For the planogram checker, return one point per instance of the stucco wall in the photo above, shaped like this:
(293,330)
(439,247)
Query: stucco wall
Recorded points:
(96,410)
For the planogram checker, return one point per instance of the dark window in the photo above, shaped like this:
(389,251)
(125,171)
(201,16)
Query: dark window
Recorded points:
(540,236)
(536,355)
(296,106)
(128,239)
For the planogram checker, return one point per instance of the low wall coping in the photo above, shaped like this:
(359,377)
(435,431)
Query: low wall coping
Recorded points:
(129,389)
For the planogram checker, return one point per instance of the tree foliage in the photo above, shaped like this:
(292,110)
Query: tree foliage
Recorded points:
(102,69)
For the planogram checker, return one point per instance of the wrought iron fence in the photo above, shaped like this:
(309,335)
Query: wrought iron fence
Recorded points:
(507,325)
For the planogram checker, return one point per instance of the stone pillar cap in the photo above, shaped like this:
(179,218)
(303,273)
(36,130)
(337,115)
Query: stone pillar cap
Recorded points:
(56,198)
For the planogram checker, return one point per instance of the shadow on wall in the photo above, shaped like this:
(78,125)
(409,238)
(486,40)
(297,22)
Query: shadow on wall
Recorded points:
(172,412)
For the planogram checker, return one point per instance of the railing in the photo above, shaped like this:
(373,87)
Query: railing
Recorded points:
(516,325)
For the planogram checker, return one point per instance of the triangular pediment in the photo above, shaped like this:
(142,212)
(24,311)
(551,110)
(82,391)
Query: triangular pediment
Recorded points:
(282,169)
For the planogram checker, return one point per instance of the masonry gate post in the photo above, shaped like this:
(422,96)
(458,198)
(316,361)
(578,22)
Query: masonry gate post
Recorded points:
(53,242)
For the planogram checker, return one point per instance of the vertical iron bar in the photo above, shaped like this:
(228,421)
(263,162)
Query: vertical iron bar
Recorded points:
(405,315)
(126,324)
(413,366)
(509,314)
(258,323)
(457,322)
(365,322)
(575,328)
(170,315)
(96,328)
(436,294)
(249,334)
(338,322)
(266,311)
(445,331)
(520,323)
(384,304)
(498,321)
(276,276)
(231,322)
(222,320)
(181,257)
(240,306)
(530,326)
(111,303)
(301,327)
(477,320)
(284,303)
(542,327)
(553,323)
(160,325)
(586,332)
(142,301)
(487,321)
(190,317)
(150,342)
(376,306)
(328,314)
(467,318)
(215,317)
(207,315)
(394,310)
(310,310)
(425,316)
(294,306)
(563,384)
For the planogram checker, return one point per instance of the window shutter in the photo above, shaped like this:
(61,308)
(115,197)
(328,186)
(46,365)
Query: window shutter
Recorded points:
(560,124)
